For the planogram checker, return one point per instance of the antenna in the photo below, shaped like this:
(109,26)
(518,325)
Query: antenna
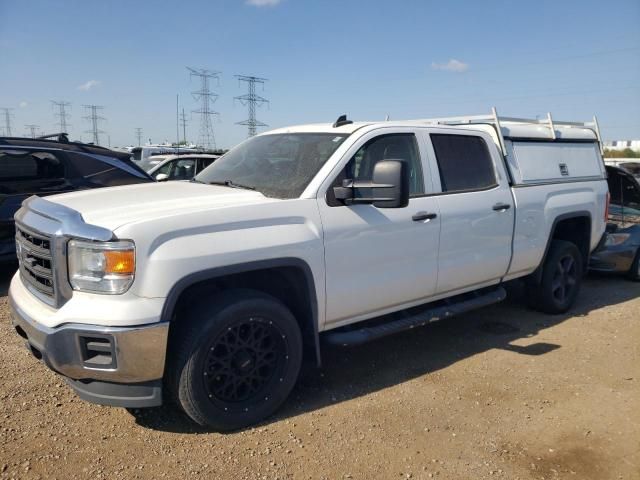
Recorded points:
(33,129)
(206,98)
(94,118)
(252,101)
(7,120)
(62,115)
(139,134)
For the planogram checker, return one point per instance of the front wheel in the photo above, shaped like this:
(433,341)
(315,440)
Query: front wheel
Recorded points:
(561,279)
(237,361)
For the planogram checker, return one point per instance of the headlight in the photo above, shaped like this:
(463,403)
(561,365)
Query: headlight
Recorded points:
(614,239)
(101,267)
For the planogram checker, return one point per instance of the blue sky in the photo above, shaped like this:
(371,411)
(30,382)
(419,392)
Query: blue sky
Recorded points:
(403,58)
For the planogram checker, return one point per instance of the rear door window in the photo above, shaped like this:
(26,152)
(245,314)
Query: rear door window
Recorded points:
(97,173)
(464,163)
(26,166)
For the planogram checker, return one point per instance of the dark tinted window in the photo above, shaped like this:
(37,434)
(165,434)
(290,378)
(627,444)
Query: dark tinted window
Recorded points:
(204,163)
(388,147)
(464,162)
(19,166)
(99,173)
(624,190)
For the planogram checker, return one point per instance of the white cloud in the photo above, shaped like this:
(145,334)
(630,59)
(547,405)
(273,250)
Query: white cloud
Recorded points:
(23,104)
(89,85)
(452,65)
(263,3)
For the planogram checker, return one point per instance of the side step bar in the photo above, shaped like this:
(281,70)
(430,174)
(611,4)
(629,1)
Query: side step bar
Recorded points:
(348,338)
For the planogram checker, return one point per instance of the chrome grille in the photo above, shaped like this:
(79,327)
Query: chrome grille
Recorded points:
(35,259)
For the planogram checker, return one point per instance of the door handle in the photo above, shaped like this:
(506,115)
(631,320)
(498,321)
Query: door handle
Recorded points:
(501,207)
(418,217)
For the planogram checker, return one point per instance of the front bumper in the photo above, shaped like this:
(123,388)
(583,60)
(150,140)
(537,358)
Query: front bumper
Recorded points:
(120,366)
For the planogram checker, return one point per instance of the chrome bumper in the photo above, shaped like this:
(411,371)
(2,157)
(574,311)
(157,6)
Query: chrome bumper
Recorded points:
(88,352)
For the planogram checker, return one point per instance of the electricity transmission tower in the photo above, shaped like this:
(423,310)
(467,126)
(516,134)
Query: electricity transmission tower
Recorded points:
(183,124)
(252,100)
(33,130)
(62,115)
(139,135)
(94,118)
(7,120)
(206,98)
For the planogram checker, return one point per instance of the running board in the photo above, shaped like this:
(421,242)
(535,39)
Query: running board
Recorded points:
(348,338)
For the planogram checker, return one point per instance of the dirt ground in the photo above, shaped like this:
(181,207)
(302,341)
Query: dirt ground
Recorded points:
(502,392)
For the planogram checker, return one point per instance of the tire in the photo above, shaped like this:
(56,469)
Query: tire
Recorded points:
(561,279)
(634,271)
(236,361)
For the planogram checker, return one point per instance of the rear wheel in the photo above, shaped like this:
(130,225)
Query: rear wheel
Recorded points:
(237,361)
(561,279)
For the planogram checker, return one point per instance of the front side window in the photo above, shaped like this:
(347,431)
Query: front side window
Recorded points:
(183,169)
(388,147)
(464,163)
(277,165)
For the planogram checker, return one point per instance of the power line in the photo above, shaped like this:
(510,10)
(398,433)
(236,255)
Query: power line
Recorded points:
(94,118)
(62,115)
(139,135)
(33,130)
(252,100)
(206,98)
(7,120)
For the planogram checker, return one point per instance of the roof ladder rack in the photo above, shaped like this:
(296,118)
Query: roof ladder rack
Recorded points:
(494,119)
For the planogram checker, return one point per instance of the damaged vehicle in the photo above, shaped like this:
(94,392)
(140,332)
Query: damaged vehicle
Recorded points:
(620,251)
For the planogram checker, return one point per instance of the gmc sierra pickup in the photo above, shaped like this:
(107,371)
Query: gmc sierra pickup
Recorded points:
(209,292)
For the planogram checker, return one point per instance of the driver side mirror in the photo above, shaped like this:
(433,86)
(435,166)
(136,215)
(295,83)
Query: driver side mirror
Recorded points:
(162,177)
(389,187)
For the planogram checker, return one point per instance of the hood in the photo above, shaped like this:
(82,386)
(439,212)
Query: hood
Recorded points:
(116,206)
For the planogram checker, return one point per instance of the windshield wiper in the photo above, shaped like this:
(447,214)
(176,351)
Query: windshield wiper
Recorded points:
(231,184)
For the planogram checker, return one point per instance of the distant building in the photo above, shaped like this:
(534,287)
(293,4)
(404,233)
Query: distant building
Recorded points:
(623,145)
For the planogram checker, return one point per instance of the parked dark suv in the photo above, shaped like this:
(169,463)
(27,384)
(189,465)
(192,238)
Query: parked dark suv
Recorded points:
(44,167)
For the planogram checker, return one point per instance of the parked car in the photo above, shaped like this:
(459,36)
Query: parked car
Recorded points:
(45,167)
(620,252)
(211,292)
(181,167)
(140,155)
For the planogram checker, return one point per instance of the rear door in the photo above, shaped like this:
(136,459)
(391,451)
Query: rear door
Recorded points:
(476,210)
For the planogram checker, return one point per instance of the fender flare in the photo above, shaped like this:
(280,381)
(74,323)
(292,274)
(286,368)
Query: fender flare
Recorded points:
(218,272)
(536,276)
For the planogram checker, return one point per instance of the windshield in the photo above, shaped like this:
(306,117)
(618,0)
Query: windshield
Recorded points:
(279,165)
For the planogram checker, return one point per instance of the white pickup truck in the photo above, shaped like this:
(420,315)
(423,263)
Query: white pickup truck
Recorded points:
(209,292)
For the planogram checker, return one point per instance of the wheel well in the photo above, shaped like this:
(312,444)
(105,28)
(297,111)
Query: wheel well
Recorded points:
(289,284)
(576,230)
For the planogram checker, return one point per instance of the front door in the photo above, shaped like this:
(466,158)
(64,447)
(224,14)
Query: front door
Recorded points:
(378,259)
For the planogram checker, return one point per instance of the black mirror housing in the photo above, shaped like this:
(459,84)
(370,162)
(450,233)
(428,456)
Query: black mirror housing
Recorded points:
(395,173)
(389,187)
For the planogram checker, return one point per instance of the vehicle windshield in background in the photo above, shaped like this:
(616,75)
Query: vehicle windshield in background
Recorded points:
(278,165)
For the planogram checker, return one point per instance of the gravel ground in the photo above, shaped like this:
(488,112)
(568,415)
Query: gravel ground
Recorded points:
(499,393)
